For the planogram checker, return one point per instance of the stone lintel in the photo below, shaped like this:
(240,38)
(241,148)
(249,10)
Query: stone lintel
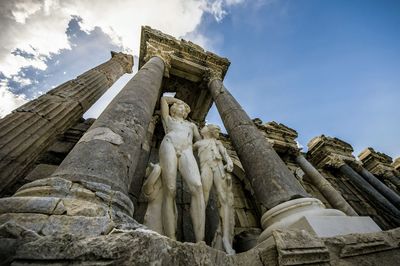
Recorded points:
(281,137)
(377,163)
(326,151)
(187,58)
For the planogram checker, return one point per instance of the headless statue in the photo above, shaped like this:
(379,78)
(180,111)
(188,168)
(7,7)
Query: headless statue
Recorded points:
(212,155)
(176,154)
(153,191)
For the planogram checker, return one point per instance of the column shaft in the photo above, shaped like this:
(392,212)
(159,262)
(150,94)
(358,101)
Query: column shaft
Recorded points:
(371,192)
(328,191)
(272,181)
(381,187)
(88,194)
(30,129)
(110,149)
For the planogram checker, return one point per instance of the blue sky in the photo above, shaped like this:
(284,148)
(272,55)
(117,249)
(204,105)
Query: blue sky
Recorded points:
(320,67)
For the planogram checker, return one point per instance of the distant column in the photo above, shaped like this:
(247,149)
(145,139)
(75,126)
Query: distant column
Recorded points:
(30,129)
(327,190)
(370,191)
(271,180)
(88,193)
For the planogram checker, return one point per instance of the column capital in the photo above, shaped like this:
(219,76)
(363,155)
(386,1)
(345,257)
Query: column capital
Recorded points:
(212,74)
(126,60)
(335,161)
(163,54)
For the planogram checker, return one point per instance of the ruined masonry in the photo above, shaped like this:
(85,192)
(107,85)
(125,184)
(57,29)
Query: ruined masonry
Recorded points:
(71,189)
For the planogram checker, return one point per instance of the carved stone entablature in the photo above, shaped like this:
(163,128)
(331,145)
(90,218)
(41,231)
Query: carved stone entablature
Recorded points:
(326,151)
(125,60)
(281,137)
(187,60)
(154,49)
(377,163)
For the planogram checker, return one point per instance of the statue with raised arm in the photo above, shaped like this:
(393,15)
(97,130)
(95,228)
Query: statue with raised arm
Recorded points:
(212,155)
(153,191)
(176,154)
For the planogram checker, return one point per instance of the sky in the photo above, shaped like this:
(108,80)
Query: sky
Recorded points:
(319,67)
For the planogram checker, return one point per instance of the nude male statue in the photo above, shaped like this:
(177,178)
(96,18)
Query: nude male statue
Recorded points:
(176,154)
(212,155)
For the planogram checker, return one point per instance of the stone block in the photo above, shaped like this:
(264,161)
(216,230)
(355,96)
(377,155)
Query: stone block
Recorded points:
(329,226)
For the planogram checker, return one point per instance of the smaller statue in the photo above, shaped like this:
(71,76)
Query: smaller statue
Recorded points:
(212,155)
(153,191)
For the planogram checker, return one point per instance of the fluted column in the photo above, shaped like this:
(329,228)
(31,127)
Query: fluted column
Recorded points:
(30,129)
(88,193)
(334,197)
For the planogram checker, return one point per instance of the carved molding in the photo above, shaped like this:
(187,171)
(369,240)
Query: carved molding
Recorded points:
(213,74)
(153,49)
(125,60)
(335,161)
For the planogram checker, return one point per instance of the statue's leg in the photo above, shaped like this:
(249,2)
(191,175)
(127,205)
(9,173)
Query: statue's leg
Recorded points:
(206,181)
(224,193)
(190,173)
(169,166)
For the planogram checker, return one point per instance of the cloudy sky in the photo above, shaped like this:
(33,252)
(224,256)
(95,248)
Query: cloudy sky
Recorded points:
(320,67)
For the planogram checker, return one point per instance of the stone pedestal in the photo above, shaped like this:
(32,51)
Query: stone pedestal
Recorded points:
(30,129)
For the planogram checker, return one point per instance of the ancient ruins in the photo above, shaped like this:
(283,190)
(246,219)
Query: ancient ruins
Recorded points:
(150,183)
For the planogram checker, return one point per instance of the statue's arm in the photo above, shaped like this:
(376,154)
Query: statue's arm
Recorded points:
(148,186)
(164,105)
(196,134)
(225,155)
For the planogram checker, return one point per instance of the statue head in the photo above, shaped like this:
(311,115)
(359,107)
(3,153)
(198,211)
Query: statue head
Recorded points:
(210,131)
(179,109)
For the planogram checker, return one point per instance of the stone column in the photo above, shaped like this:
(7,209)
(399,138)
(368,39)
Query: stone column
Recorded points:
(380,165)
(87,195)
(30,129)
(330,193)
(274,186)
(272,181)
(369,191)
(379,186)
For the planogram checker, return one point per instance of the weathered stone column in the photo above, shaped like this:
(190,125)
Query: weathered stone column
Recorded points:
(330,193)
(271,180)
(87,195)
(30,129)
(369,191)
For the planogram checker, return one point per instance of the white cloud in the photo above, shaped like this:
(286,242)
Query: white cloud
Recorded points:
(38,27)
(9,101)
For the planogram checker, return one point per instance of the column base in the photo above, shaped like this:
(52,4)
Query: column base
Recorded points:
(311,215)
(55,205)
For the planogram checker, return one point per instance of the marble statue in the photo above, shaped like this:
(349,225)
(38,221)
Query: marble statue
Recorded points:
(176,154)
(212,155)
(153,191)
